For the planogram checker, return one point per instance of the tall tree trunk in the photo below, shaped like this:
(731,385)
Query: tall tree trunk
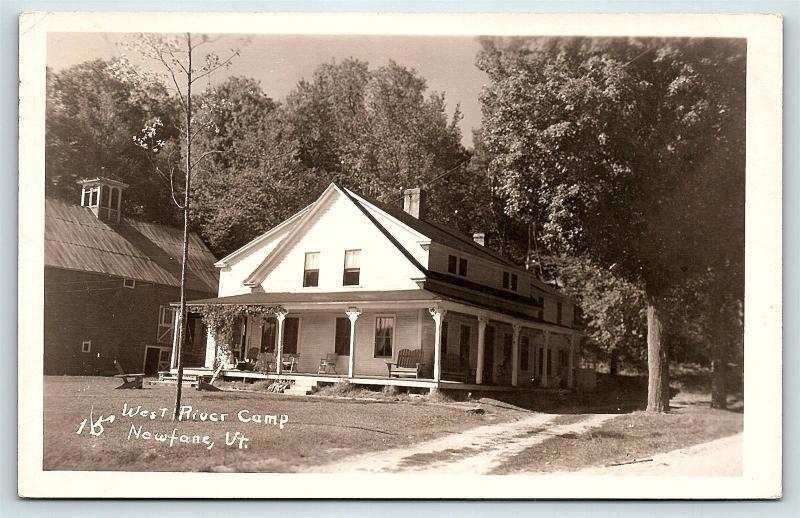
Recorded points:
(613,362)
(657,357)
(719,354)
(185,258)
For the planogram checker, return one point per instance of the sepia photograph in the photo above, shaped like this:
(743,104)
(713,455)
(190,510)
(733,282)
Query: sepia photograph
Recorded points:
(508,256)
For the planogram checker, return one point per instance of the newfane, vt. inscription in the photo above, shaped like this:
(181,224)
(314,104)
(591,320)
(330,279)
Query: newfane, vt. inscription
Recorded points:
(96,426)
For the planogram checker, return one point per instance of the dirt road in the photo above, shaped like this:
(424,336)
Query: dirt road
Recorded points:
(475,451)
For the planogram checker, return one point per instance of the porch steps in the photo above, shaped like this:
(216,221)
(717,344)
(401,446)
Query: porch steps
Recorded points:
(301,388)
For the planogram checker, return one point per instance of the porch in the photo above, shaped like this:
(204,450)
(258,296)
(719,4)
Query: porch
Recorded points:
(354,336)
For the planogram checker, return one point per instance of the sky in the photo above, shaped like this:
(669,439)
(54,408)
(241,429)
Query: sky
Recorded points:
(280,61)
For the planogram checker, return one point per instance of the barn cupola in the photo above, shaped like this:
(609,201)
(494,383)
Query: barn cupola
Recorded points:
(104,197)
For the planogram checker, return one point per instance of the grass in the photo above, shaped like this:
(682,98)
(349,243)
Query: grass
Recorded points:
(319,430)
(626,437)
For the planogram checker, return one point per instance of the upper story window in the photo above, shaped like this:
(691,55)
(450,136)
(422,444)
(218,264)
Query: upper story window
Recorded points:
(311,270)
(559,312)
(129,283)
(352,268)
(452,264)
(90,196)
(510,281)
(457,265)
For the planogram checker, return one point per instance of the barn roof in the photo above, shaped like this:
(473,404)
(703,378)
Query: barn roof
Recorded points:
(148,252)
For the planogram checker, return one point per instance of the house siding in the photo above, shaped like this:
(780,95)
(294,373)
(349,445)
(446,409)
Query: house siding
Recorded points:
(336,227)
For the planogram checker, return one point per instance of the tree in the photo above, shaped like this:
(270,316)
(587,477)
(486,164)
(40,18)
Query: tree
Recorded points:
(259,180)
(176,58)
(91,117)
(604,145)
(376,130)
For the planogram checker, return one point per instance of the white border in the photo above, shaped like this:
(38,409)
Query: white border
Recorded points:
(762,437)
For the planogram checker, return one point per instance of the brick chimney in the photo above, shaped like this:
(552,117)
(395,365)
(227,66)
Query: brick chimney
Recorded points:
(480,238)
(104,197)
(415,203)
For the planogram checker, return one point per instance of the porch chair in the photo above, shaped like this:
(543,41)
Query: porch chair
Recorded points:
(408,364)
(327,365)
(129,381)
(290,363)
(454,368)
(264,362)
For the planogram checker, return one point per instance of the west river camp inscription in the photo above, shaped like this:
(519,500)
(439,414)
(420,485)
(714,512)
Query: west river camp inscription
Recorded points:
(96,426)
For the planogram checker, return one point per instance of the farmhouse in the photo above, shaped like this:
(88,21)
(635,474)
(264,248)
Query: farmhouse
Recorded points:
(351,288)
(108,283)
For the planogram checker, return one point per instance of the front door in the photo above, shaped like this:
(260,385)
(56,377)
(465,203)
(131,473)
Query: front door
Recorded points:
(151,360)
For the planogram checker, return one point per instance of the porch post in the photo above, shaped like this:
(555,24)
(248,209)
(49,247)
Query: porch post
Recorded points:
(515,355)
(482,321)
(352,314)
(438,315)
(545,357)
(570,373)
(280,316)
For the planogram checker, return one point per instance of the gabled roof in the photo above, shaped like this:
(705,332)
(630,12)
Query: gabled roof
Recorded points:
(432,232)
(76,240)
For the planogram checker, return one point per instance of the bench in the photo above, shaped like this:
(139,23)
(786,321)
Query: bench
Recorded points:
(408,364)
(454,368)
(129,381)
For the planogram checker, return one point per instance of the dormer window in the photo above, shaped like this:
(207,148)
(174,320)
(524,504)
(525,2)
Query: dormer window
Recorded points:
(510,281)
(457,265)
(352,268)
(311,270)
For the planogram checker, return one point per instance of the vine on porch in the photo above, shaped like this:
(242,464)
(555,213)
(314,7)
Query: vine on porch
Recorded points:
(221,320)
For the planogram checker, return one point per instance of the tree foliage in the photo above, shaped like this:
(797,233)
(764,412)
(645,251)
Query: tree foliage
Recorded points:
(613,148)
(92,117)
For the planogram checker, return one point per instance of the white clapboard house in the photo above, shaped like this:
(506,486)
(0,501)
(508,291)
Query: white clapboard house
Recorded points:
(358,287)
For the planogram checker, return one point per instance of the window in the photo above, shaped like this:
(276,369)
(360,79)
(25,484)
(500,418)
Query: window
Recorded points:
(559,312)
(384,336)
(352,268)
(311,270)
(452,264)
(445,337)
(549,362)
(524,353)
(166,316)
(462,267)
(563,358)
(86,346)
(89,196)
(268,332)
(291,333)
(342,337)
(510,281)
(463,350)
(541,308)
(129,283)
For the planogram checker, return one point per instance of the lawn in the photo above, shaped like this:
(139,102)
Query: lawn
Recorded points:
(318,430)
(636,435)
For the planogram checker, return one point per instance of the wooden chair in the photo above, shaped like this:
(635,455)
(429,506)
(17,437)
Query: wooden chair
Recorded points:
(290,363)
(129,381)
(264,362)
(327,365)
(408,364)
(454,368)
